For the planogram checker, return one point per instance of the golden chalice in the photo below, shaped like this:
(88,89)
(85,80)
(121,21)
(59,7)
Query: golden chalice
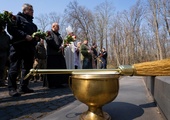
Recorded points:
(95,89)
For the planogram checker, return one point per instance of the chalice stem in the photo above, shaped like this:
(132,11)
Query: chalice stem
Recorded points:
(96,110)
(95,113)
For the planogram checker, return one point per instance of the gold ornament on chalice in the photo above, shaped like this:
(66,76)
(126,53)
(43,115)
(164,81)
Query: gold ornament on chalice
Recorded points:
(97,87)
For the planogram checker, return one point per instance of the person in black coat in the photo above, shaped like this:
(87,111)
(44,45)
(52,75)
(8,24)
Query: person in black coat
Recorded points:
(22,50)
(94,55)
(103,57)
(4,52)
(55,58)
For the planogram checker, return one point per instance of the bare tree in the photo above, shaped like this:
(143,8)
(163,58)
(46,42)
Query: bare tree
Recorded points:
(104,14)
(154,7)
(165,12)
(137,13)
(80,18)
(42,21)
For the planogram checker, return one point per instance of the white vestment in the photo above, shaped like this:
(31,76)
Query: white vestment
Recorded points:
(69,56)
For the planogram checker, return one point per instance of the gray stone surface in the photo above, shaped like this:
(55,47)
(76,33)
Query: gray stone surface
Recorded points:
(132,103)
(162,95)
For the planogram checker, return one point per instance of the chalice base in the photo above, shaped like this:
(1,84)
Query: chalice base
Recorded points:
(92,116)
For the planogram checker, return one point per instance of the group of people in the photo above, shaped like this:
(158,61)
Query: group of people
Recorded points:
(25,51)
(82,56)
(91,58)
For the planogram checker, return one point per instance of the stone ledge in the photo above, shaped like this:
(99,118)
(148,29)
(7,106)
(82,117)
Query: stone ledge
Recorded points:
(159,87)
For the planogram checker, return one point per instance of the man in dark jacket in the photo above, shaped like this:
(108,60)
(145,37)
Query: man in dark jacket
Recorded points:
(4,52)
(87,55)
(22,50)
(55,58)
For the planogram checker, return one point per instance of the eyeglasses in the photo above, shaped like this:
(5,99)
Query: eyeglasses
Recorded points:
(30,9)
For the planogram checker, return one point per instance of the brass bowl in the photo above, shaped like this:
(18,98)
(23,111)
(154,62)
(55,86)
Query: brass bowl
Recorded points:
(95,90)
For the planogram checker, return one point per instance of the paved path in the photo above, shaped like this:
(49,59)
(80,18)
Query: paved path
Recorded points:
(34,106)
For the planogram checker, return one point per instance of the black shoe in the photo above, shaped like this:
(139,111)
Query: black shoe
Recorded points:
(2,83)
(25,90)
(14,93)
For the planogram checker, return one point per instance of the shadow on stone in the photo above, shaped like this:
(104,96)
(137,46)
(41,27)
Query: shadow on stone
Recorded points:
(73,115)
(148,105)
(123,111)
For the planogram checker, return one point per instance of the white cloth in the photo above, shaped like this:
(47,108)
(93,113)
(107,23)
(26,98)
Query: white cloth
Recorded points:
(69,56)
